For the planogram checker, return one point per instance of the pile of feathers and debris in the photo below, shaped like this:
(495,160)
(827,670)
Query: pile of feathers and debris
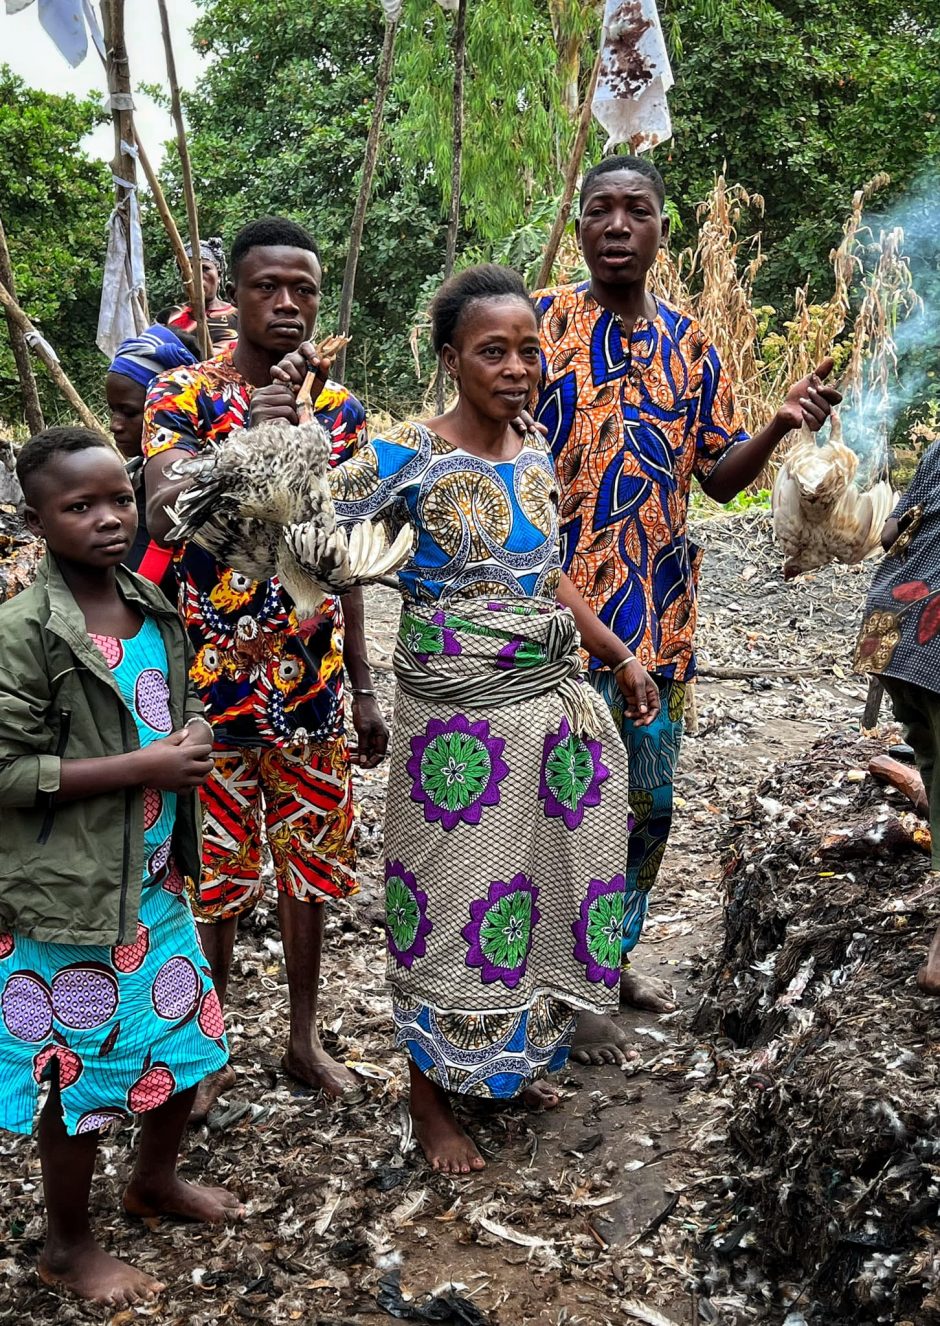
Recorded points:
(819,1059)
(19,550)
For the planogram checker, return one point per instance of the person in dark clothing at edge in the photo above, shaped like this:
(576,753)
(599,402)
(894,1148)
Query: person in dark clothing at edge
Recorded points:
(272,685)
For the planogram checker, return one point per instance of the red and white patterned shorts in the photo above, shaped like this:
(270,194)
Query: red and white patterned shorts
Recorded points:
(303,800)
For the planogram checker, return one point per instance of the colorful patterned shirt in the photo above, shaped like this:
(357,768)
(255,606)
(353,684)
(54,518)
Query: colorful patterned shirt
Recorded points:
(483,527)
(222,322)
(630,423)
(900,635)
(262,680)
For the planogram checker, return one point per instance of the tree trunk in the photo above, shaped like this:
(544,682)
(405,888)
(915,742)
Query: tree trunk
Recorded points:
(24,369)
(456,161)
(571,176)
(123,165)
(192,214)
(48,357)
(365,189)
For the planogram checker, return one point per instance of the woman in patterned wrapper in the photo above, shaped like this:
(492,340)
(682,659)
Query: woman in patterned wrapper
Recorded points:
(505,829)
(104,992)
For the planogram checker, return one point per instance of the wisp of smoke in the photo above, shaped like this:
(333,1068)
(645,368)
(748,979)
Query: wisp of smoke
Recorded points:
(899,370)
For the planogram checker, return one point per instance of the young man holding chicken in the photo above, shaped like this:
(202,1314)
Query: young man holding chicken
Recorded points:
(635,403)
(272,686)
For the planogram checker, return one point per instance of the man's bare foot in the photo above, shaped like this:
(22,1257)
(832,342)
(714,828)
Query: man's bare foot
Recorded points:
(598,1040)
(928,978)
(89,1272)
(182,1201)
(315,1068)
(647,992)
(208,1092)
(540,1096)
(446,1146)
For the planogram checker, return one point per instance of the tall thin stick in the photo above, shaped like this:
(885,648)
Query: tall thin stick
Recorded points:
(365,189)
(456,162)
(166,216)
(571,176)
(123,166)
(18,344)
(56,372)
(192,215)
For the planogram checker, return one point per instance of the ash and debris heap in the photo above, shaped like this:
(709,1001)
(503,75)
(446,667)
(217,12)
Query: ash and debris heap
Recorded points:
(825,1096)
(19,550)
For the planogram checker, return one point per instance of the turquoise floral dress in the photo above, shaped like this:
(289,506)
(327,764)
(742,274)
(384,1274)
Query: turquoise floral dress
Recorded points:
(127,1026)
(505,828)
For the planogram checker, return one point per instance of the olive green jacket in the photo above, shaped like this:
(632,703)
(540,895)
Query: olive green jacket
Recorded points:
(71,872)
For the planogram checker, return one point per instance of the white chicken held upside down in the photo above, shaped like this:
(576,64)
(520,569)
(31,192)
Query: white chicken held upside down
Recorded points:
(819,513)
(259,501)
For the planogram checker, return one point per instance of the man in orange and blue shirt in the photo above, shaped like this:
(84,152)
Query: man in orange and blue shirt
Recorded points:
(636,402)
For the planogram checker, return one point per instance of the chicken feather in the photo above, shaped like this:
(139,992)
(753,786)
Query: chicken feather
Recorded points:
(819,513)
(259,501)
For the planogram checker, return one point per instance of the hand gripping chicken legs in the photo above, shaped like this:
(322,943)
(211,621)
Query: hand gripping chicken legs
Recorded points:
(819,513)
(259,501)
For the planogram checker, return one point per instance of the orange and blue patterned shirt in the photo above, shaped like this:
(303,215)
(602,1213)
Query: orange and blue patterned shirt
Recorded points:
(630,421)
(264,678)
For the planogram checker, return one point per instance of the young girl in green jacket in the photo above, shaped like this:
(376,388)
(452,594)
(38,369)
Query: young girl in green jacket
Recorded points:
(104,992)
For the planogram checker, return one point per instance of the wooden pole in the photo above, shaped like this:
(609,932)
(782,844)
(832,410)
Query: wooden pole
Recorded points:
(18,344)
(456,162)
(571,175)
(56,372)
(123,165)
(365,189)
(166,216)
(192,214)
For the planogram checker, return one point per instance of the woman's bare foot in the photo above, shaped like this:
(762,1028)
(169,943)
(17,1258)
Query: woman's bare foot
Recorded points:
(446,1146)
(598,1040)
(181,1201)
(540,1096)
(928,978)
(209,1090)
(89,1272)
(647,992)
(312,1066)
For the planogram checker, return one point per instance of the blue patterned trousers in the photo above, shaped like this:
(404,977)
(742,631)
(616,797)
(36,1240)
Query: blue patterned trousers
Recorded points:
(653,754)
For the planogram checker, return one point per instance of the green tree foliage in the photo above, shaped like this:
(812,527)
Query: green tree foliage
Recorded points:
(278,124)
(804,100)
(55,201)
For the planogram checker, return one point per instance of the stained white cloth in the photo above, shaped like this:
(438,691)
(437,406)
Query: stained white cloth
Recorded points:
(634,77)
(68,23)
(121,314)
(392,9)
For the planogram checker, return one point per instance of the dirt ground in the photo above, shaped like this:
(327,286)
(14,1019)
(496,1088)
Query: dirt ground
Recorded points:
(577,1218)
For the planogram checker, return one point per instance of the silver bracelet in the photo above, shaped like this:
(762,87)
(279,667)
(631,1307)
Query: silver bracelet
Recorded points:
(361,690)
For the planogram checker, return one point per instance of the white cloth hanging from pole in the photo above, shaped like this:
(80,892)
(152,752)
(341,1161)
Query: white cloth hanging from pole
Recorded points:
(65,22)
(392,9)
(635,75)
(121,314)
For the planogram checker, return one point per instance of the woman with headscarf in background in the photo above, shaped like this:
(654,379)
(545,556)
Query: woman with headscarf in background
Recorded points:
(139,360)
(221,316)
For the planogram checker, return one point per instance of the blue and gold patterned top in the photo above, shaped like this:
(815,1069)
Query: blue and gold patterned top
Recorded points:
(483,527)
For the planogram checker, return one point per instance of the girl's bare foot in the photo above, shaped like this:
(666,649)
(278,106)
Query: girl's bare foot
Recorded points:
(181,1200)
(209,1090)
(446,1146)
(540,1096)
(89,1272)
(647,992)
(598,1040)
